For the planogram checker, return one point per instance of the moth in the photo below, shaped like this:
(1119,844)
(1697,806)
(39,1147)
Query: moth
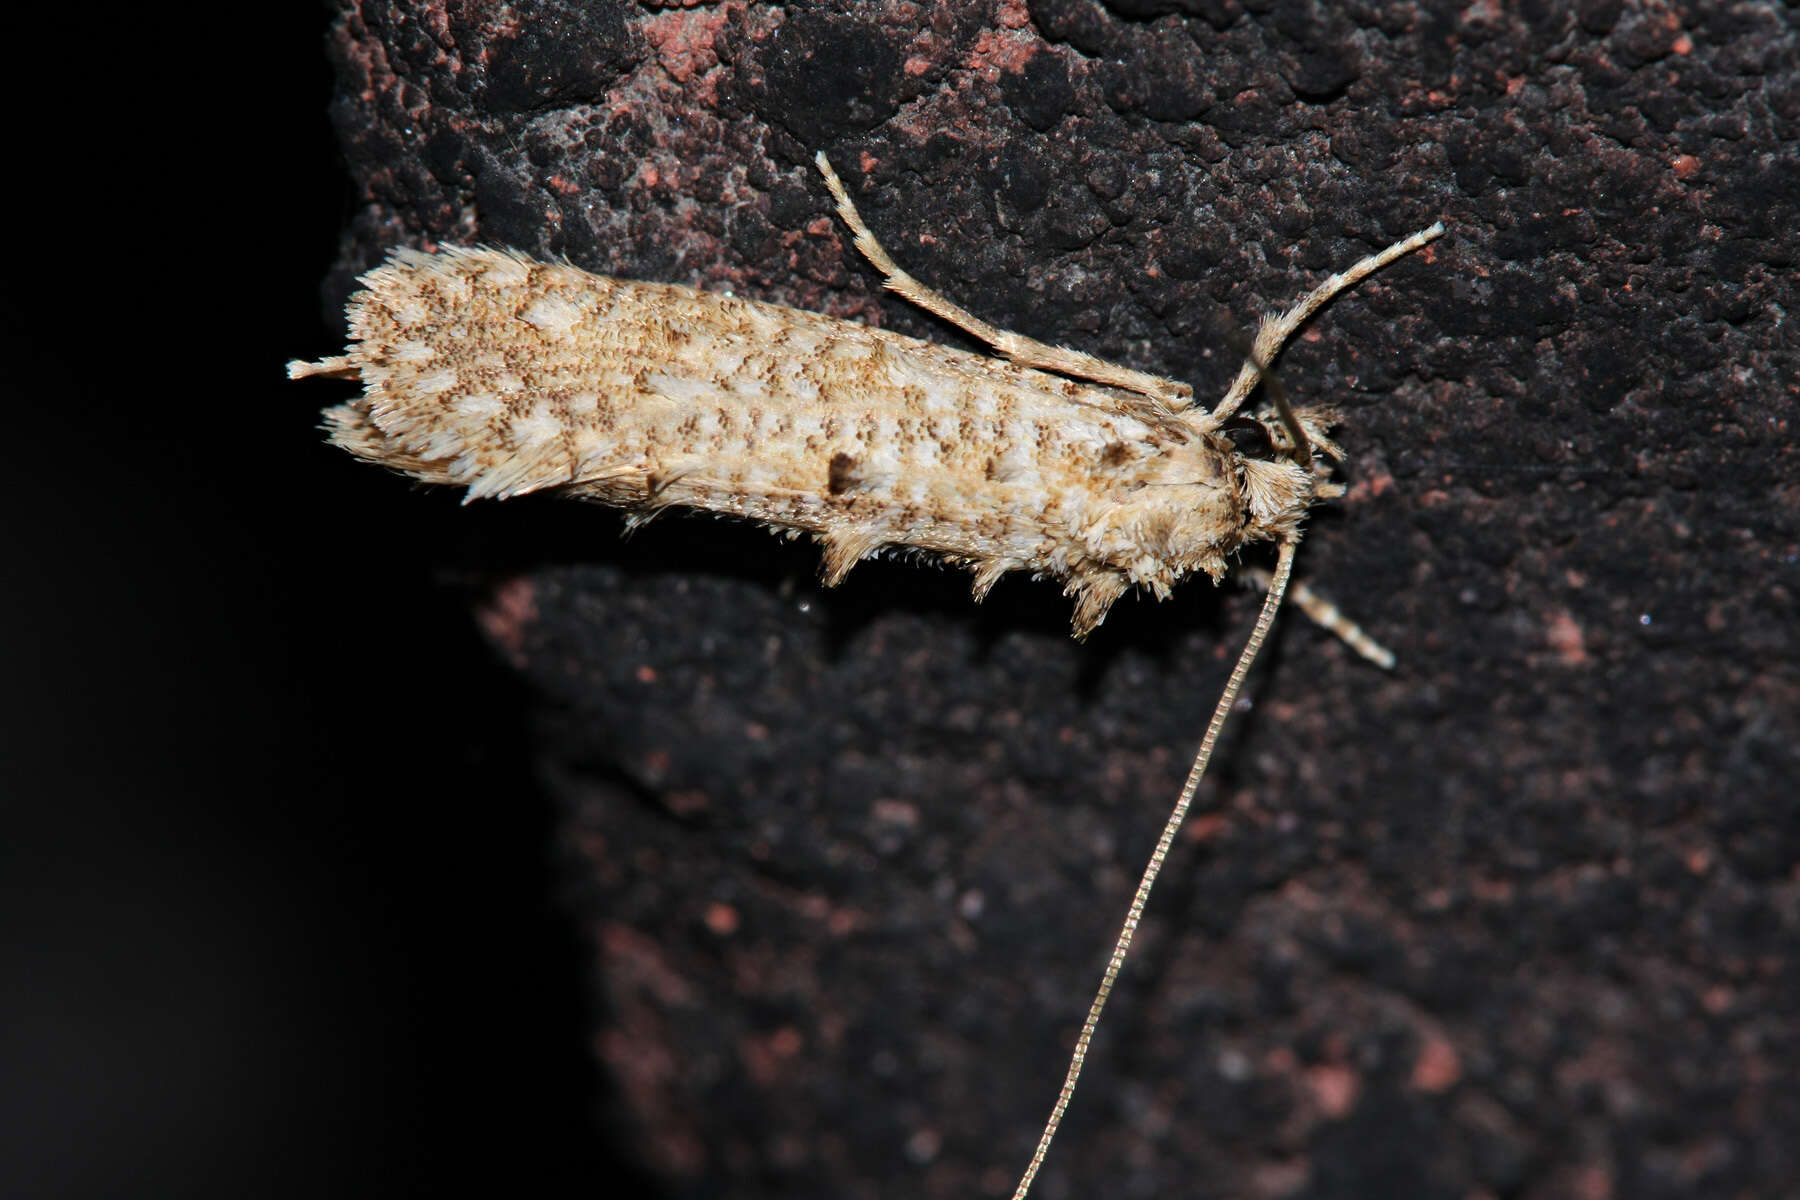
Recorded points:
(503,375)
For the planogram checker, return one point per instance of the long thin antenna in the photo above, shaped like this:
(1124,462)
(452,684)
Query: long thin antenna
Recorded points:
(1274,331)
(1278,582)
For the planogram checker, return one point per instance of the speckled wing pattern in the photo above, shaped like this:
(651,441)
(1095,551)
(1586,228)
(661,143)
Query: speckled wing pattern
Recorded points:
(504,375)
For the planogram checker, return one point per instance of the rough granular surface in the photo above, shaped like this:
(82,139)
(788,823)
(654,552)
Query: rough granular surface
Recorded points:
(1521,918)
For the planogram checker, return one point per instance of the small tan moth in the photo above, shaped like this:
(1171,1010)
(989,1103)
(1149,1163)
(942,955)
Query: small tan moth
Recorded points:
(503,375)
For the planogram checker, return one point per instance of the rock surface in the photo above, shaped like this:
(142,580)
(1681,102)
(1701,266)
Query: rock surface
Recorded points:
(1521,918)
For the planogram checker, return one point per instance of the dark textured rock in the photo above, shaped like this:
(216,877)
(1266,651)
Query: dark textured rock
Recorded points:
(1519,919)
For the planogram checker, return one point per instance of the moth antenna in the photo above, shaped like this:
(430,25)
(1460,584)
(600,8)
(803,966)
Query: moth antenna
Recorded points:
(1272,334)
(1278,582)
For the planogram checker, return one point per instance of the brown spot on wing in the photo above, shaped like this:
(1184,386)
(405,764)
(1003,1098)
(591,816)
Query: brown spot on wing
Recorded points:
(842,474)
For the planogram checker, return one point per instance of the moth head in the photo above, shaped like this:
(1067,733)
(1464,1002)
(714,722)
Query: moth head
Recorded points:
(1274,435)
(1191,505)
(1283,459)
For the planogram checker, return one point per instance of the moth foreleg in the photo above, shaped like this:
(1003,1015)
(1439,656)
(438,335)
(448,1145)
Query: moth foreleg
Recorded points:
(1027,352)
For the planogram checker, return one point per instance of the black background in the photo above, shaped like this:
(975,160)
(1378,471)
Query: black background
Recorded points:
(278,917)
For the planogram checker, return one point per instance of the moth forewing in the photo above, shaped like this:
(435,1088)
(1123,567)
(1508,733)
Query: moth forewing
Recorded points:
(503,375)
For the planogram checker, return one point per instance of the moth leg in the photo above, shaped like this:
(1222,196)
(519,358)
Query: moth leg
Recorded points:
(1328,615)
(1272,334)
(1027,352)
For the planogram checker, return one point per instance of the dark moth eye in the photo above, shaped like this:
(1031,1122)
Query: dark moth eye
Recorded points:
(1250,436)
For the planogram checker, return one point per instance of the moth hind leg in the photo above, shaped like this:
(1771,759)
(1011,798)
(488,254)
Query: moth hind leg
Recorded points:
(1027,352)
